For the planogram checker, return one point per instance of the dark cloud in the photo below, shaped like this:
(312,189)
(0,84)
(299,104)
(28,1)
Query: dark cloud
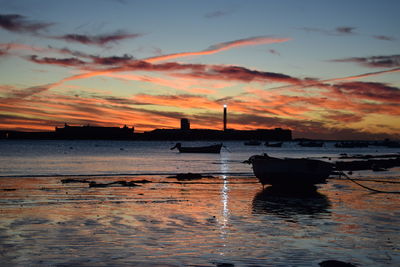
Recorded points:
(67,62)
(369,90)
(18,23)
(244,74)
(70,52)
(345,30)
(273,51)
(374,61)
(113,60)
(95,62)
(99,40)
(215,72)
(384,38)
(201,71)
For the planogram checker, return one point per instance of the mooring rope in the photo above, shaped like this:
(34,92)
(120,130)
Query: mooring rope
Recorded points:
(369,188)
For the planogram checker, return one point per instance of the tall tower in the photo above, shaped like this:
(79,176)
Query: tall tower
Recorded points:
(185,124)
(225,106)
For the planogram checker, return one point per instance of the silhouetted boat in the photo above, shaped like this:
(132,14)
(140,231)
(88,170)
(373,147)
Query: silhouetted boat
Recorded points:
(252,143)
(311,144)
(289,172)
(279,144)
(198,149)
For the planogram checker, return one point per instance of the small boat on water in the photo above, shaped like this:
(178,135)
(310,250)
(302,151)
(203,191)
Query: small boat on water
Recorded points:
(279,144)
(252,143)
(198,149)
(289,172)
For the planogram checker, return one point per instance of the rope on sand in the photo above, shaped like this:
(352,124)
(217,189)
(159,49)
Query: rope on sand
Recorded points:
(369,188)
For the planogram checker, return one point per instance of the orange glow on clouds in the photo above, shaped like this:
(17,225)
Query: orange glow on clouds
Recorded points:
(221,47)
(301,104)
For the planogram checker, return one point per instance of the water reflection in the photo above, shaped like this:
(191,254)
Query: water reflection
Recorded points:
(224,202)
(286,204)
(224,192)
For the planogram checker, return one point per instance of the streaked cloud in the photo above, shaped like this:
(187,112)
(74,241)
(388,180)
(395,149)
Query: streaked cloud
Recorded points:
(66,62)
(345,30)
(182,101)
(384,37)
(390,61)
(99,40)
(20,24)
(343,117)
(369,90)
(262,109)
(342,30)
(113,60)
(222,47)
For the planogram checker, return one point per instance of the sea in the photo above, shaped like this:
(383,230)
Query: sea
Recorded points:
(226,218)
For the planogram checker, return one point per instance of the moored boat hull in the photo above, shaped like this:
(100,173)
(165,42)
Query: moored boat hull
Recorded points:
(203,149)
(290,172)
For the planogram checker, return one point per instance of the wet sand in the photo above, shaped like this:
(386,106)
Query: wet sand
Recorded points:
(202,222)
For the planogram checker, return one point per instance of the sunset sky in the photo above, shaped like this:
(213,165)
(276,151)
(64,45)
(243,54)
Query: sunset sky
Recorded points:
(324,69)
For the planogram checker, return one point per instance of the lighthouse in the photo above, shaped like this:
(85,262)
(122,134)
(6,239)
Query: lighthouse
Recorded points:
(225,107)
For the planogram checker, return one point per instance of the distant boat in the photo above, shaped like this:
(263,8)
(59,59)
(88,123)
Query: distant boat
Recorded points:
(311,144)
(198,149)
(252,143)
(279,144)
(289,172)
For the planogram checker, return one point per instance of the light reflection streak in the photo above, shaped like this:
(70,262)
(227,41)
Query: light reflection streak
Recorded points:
(224,201)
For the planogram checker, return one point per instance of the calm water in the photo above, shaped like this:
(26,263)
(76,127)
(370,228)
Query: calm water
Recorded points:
(226,219)
(40,158)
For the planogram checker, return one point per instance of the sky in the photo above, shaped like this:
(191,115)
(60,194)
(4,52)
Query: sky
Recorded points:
(324,69)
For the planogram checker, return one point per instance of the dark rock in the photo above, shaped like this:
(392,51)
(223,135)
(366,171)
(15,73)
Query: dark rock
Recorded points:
(122,183)
(189,176)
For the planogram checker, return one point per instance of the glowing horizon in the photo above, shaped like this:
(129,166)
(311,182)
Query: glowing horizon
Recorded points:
(330,81)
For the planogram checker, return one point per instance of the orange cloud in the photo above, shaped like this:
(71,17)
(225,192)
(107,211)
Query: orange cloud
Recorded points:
(48,110)
(221,47)
(181,101)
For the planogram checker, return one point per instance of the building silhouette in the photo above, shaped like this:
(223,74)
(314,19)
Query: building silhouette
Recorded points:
(185,133)
(93,132)
(126,133)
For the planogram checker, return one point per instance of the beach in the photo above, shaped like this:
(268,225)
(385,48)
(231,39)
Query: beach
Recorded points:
(222,219)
